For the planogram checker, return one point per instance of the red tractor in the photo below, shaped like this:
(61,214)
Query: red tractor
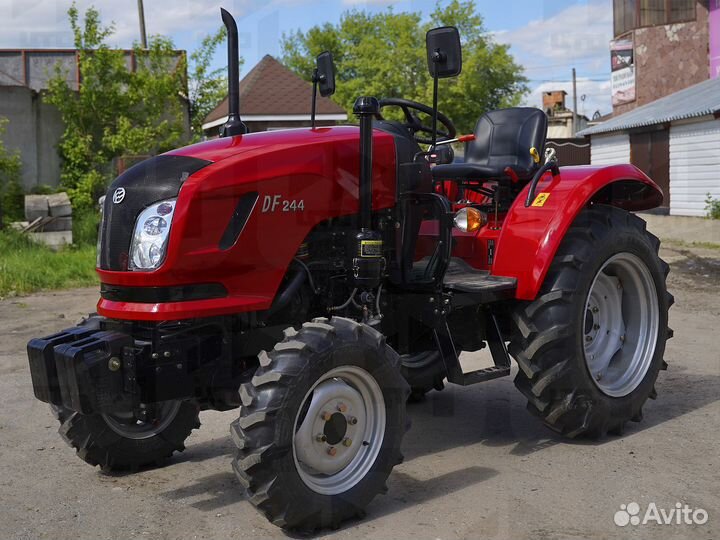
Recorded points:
(318,278)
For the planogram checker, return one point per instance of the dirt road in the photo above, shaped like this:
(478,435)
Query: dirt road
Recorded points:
(477,464)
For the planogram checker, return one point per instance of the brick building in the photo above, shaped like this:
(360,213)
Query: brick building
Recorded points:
(660,47)
(665,62)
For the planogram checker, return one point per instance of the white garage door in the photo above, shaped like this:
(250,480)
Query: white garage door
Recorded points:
(694,166)
(609,149)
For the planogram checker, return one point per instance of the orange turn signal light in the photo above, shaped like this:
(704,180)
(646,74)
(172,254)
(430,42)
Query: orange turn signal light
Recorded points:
(469,219)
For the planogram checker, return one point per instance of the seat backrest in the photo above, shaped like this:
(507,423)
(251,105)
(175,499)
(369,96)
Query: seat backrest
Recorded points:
(504,138)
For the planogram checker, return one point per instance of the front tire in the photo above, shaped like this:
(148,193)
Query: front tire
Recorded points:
(424,372)
(591,345)
(122,442)
(321,424)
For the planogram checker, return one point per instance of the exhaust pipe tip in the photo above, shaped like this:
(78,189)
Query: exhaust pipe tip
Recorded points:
(234,125)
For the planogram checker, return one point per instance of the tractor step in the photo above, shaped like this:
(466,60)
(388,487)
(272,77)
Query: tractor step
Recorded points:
(450,356)
(463,278)
(481,375)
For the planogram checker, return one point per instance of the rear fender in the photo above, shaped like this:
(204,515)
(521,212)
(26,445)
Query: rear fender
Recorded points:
(531,236)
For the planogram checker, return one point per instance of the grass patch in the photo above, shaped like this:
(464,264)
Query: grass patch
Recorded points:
(683,243)
(26,266)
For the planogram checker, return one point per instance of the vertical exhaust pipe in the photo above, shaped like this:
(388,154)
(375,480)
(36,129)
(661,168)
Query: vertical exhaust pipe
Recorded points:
(234,125)
(365,108)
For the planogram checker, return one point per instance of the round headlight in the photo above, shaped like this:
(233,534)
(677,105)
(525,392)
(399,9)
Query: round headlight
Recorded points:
(155,225)
(155,254)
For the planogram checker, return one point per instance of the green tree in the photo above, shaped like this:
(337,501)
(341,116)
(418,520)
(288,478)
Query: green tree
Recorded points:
(207,87)
(116,111)
(11,193)
(383,54)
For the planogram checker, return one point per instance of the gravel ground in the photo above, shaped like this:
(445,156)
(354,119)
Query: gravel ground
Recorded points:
(477,464)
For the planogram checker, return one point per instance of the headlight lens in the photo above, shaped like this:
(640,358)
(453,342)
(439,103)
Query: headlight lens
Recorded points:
(469,219)
(152,229)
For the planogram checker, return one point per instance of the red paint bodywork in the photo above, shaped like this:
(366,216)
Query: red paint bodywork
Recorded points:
(531,236)
(318,166)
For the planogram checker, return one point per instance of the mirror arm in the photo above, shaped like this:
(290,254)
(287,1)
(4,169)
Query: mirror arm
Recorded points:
(315,81)
(437,57)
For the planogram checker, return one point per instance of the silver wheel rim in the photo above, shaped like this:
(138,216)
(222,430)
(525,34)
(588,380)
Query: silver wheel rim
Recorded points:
(128,425)
(621,325)
(339,430)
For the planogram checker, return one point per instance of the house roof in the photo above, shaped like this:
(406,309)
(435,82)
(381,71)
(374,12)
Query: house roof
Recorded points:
(271,89)
(698,100)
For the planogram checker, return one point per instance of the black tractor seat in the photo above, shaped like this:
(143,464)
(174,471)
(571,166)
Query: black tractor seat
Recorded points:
(503,140)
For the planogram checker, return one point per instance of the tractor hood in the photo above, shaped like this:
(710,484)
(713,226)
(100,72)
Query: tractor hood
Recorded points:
(244,205)
(265,142)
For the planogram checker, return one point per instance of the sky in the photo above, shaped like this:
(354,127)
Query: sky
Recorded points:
(547,37)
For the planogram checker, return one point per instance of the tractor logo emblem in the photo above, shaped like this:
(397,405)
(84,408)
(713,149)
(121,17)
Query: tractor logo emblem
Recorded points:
(119,195)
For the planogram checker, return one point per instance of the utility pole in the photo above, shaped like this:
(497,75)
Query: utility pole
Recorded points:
(574,118)
(143,34)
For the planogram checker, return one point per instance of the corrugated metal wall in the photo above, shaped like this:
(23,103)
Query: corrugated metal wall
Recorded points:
(694,166)
(609,149)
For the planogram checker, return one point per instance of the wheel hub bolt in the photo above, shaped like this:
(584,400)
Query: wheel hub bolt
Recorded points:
(326,416)
(596,327)
(588,338)
(598,376)
(332,451)
(347,441)
(342,407)
(352,420)
(595,309)
(321,438)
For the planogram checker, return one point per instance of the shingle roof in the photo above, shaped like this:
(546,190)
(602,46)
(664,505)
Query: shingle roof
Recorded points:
(698,100)
(272,89)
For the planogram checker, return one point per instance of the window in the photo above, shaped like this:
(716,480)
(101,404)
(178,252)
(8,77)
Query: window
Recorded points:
(652,12)
(625,13)
(631,14)
(681,10)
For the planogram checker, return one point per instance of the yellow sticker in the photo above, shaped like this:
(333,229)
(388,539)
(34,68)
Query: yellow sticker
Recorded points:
(541,199)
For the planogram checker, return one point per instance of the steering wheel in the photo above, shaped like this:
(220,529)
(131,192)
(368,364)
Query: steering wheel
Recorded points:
(414,125)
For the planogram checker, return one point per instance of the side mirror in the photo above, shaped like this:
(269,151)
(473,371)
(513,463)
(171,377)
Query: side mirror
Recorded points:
(326,74)
(444,52)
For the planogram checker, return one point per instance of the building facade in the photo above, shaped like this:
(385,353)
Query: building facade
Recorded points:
(661,47)
(34,127)
(675,140)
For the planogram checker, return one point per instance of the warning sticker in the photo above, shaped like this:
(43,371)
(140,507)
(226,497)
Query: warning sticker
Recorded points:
(541,199)
(371,248)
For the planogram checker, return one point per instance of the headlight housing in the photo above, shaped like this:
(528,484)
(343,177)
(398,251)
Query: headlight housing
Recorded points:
(469,219)
(150,237)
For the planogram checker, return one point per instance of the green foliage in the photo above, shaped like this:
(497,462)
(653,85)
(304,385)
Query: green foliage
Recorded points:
(206,88)
(26,266)
(85,226)
(712,207)
(116,111)
(42,189)
(383,55)
(11,192)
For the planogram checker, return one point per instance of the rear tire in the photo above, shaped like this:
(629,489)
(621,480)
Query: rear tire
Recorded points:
(300,457)
(591,345)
